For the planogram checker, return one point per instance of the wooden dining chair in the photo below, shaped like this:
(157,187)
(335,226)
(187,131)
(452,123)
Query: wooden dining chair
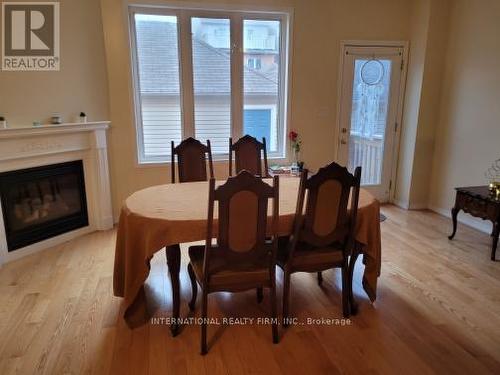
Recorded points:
(244,256)
(323,236)
(248,155)
(191,160)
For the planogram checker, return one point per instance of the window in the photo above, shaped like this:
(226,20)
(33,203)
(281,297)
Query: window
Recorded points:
(212,83)
(261,88)
(254,63)
(193,76)
(158,84)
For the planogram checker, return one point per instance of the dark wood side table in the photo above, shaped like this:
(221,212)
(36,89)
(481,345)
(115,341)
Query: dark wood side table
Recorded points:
(477,201)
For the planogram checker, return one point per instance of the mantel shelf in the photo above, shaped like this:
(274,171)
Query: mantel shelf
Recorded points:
(27,131)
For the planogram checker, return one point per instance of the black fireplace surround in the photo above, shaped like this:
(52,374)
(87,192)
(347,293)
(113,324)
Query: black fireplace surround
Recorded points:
(42,202)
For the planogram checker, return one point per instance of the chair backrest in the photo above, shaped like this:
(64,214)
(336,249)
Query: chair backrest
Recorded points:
(327,218)
(242,223)
(191,160)
(248,156)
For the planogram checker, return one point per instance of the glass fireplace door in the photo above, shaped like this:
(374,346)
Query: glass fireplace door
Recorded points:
(42,202)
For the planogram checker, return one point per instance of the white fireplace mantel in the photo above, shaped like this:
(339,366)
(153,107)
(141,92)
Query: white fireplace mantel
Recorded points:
(26,147)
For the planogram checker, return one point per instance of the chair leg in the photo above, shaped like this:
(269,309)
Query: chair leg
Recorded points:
(345,292)
(260,295)
(320,278)
(286,298)
(204,302)
(350,275)
(194,287)
(274,313)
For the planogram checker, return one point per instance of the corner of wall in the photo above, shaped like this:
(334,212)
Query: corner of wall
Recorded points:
(421,112)
(411,107)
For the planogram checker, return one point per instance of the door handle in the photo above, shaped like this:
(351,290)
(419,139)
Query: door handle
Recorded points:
(344,130)
(343,142)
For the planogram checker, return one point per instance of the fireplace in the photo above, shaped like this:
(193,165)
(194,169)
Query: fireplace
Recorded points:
(42,202)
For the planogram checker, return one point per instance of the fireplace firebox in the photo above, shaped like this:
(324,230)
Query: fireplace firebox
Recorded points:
(42,202)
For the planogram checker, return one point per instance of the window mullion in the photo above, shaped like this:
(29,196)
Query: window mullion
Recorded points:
(236,76)
(283,114)
(186,69)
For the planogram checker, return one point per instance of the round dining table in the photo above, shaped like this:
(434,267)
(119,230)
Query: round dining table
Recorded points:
(165,216)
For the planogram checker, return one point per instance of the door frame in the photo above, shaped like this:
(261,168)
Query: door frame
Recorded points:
(404,45)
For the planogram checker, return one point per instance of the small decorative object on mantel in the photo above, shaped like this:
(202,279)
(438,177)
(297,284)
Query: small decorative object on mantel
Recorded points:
(3,123)
(37,124)
(56,119)
(492,174)
(295,144)
(83,117)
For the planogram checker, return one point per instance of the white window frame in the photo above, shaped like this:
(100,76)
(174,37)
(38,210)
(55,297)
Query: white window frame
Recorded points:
(236,16)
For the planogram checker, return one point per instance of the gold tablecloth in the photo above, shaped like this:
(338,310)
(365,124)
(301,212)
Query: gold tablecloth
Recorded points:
(171,214)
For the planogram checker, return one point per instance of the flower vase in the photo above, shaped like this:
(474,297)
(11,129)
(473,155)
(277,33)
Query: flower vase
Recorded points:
(295,169)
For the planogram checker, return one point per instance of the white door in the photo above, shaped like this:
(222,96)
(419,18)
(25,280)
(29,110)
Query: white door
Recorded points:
(370,93)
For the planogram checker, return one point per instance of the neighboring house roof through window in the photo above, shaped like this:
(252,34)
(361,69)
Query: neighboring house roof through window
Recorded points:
(158,66)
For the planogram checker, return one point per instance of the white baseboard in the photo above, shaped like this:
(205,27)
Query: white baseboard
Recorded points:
(400,204)
(405,205)
(409,206)
(463,218)
(418,206)
(106,223)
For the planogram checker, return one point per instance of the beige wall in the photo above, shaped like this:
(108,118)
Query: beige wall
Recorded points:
(437,35)
(429,33)
(80,85)
(468,136)
(419,27)
(318,28)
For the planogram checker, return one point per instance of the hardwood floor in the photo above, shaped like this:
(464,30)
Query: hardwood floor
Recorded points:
(438,311)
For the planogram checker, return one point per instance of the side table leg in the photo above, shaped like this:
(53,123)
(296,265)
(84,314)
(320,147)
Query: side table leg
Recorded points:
(174,264)
(496,233)
(454,214)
